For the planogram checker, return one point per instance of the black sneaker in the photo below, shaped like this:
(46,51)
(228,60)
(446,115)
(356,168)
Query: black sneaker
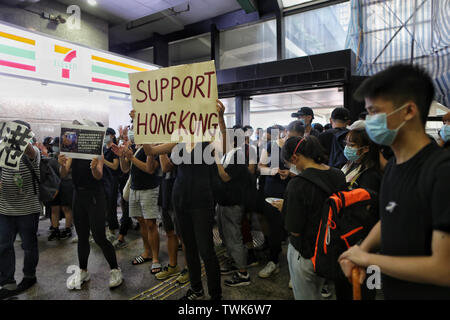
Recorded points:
(25,284)
(5,293)
(326,293)
(238,280)
(192,295)
(66,233)
(54,234)
(8,293)
(227,268)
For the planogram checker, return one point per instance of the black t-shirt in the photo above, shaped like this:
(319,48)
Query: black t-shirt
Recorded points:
(195,183)
(303,203)
(141,180)
(110,156)
(407,223)
(369,179)
(274,186)
(82,175)
(232,192)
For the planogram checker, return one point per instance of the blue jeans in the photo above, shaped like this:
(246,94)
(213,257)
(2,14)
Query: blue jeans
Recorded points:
(306,284)
(27,227)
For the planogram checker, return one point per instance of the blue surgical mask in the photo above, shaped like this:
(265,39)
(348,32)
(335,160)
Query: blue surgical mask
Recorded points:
(303,122)
(131,136)
(376,128)
(56,149)
(107,139)
(445,132)
(351,153)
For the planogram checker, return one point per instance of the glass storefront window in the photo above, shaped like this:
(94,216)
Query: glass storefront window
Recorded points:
(317,31)
(191,50)
(248,45)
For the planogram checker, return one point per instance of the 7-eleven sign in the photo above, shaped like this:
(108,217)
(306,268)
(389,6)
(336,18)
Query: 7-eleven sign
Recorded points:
(67,64)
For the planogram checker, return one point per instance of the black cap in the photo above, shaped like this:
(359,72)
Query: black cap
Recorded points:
(56,141)
(340,114)
(110,131)
(304,111)
(47,140)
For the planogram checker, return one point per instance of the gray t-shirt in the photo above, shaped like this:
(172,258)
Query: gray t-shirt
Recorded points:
(15,201)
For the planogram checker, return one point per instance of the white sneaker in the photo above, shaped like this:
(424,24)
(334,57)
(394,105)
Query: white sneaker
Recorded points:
(110,235)
(74,239)
(290,284)
(77,279)
(268,270)
(116,278)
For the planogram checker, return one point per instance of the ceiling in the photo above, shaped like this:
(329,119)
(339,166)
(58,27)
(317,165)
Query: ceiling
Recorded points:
(145,17)
(122,11)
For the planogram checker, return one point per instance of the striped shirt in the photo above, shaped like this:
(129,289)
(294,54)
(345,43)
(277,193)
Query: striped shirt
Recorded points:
(15,201)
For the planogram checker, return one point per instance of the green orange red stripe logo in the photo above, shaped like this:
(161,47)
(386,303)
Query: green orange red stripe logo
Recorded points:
(112,83)
(16,65)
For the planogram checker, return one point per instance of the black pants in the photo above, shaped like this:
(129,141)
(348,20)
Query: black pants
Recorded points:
(125,221)
(111,204)
(276,229)
(88,215)
(196,232)
(344,291)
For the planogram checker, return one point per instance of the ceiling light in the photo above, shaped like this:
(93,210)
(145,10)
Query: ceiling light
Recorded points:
(290,3)
(92,2)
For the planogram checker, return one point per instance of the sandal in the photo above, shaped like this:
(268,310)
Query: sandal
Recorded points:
(139,260)
(156,268)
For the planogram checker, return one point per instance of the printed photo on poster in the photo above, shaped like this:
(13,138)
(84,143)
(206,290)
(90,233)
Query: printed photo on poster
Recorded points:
(81,142)
(14,139)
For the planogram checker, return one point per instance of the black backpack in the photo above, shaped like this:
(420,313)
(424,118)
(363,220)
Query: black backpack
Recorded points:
(48,181)
(337,158)
(346,219)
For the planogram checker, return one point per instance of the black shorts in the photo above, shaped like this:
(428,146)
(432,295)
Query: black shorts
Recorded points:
(65,195)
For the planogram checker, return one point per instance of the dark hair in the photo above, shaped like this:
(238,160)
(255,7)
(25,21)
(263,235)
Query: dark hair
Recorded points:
(327,127)
(309,147)
(296,126)
(362,115)
(318,127)
(400,83)
(371,159)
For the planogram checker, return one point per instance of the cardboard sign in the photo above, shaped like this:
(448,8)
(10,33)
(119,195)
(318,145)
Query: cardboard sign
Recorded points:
(14,139)
(175,103)
(81,142)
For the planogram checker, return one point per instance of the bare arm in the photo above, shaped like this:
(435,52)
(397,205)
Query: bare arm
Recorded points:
(97,168)
(65,165)
(432,269)
(166,164)
(164,148)
(223,130)
(112,165)
(149,166)
(252,168)
(124,164)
